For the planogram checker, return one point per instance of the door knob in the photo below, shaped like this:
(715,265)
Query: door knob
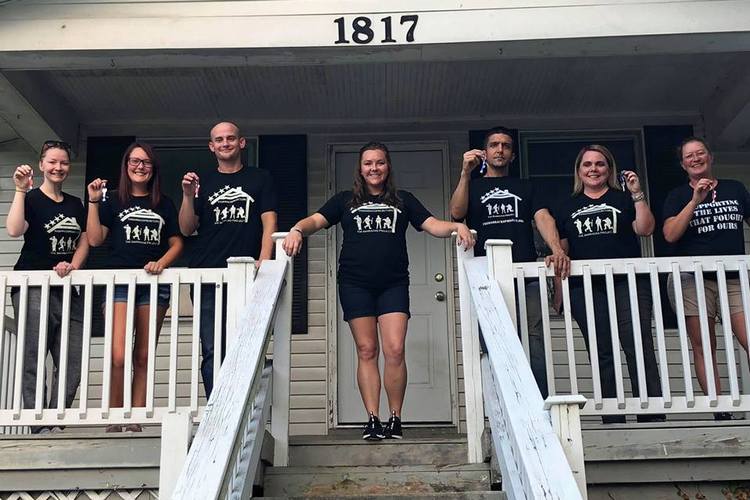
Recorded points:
(440,296)
(439,277)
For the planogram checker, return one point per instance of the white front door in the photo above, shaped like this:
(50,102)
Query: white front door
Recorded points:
(420,170)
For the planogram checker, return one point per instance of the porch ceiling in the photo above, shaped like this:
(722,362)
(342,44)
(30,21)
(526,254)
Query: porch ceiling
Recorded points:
(630,86)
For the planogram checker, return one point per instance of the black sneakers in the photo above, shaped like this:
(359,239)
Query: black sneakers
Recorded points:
(373,429)
(392,429)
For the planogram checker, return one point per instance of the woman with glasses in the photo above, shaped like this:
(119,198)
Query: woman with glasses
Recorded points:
(704,217)
(142,225)
(53,227)
(603,220)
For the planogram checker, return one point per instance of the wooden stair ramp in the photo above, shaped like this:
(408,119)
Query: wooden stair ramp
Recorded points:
(427,463)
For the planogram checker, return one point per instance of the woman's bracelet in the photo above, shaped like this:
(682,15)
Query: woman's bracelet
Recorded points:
(24,191)
(638,197)
(298,230)
(94,201)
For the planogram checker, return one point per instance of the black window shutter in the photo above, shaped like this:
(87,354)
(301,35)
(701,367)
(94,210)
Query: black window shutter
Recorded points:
(285,156)
(476,141)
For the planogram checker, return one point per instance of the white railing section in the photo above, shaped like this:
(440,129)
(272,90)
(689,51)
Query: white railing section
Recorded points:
(680,392)
(92,410)
(533,463)
(225,452)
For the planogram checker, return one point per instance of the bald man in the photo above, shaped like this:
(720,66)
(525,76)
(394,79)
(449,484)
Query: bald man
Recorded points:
(233,210)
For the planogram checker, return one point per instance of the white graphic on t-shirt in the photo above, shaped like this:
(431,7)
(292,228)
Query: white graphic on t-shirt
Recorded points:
(717,216)
(64,233)
(141,225)
(500,204)
(231,204)
(594,220)
(375,218)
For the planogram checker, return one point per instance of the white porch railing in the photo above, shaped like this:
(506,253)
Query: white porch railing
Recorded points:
(246,322)
(566,377)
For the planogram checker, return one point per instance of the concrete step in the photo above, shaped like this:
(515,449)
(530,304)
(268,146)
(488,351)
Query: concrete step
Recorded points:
(377,481)
(347,448)
(466,495)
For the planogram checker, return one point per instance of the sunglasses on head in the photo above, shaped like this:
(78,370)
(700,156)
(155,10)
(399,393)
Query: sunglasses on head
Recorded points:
(52,144)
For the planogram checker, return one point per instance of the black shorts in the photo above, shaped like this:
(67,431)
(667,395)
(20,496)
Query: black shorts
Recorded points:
(361,302)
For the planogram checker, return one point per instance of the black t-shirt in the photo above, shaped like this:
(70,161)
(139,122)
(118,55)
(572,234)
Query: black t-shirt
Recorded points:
(503,208)
(716,226)
(138,232)
(600,228)
(373,253)
(54,230)
(229,207)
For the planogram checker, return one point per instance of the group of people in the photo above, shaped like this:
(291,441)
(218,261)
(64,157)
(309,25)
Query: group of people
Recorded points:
(232,212)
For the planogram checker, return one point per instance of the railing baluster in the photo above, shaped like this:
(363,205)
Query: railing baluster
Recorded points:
(88,292)
(614,332)
(174,326)
(726,327)
(41,358)
(23,303)
(591,326)
(127,392)
(661,344)
(705,337)
(635,315)
(218,330)
(569,341)
(549,362)
(153,333)
(109,295)
(62,374)
(745,358)
(523,325)
(196,344)
(687,376)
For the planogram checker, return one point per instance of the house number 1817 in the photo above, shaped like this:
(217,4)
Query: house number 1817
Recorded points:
(362,30)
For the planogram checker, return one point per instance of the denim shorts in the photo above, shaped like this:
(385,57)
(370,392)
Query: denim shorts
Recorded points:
(361,302)
(143,294)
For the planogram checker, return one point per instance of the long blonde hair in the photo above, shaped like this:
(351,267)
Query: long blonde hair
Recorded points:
(611,178)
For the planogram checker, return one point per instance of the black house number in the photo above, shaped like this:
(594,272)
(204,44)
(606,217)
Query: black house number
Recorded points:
(364,30)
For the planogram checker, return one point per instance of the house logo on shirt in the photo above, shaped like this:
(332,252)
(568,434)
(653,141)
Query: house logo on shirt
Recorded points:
(141,226)
(501,206)
(594,220)
(230,204)
(375,218)
(64,233)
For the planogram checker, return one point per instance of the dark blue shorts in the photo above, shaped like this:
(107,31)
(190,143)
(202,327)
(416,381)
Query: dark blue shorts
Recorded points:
(143,294)
(361,302)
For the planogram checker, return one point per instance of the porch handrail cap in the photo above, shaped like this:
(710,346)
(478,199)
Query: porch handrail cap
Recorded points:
(240,260)
(565,400)
(490,243)
(279,235)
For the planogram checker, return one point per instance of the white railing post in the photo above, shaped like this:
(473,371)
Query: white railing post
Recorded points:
(565,412)
(500,268)
(240,275)
(471,362)
(282,358)
(176,428)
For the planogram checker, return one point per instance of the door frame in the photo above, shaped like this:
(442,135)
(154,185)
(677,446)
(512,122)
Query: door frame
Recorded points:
(331,286)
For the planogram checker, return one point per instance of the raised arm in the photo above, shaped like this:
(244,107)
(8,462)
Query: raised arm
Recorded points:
(16,224)
(443,229)
(187,219)
(675,227)
(460,199)
(545,223)
(644,222)
(308,226)
(96,233)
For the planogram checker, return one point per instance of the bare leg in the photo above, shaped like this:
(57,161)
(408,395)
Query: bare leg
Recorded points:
(118,354)
(393,332)
(365,333)
(140,357)
(694,332)
(738,327)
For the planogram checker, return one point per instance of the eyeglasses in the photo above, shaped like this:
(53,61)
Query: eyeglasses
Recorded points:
(697,154)
(134,162)
(52,144)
